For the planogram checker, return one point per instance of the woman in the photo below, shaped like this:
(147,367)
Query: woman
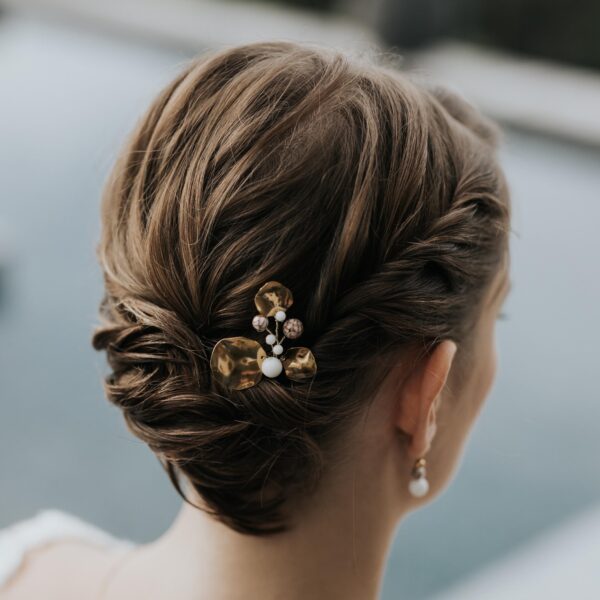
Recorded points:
(368,217)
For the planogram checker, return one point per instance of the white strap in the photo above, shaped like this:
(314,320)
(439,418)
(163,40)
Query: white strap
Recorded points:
(46,526)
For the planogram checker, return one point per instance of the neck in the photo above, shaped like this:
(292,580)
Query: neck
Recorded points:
(337,551)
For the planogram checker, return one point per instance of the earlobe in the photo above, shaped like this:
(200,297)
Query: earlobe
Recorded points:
(432,425)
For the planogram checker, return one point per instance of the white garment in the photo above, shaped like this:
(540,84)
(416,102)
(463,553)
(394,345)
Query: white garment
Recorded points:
(47,526)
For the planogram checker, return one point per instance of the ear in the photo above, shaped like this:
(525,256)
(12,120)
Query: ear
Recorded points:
(420,396)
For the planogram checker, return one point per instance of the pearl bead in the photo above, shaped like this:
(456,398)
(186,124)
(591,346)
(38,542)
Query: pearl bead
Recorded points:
(418,487)
(271,366)
(277,349)
(280,315)
(271,339)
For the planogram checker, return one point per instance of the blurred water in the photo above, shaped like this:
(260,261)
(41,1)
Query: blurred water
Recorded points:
(67,99)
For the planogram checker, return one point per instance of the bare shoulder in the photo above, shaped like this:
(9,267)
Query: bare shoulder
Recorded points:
(62,569)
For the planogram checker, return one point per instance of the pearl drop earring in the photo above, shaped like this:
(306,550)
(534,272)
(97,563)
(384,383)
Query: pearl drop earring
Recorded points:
(419,486)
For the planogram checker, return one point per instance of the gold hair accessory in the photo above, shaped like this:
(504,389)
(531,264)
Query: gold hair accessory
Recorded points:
(240,362)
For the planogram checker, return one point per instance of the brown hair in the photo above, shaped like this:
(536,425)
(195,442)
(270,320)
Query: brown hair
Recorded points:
(378,202)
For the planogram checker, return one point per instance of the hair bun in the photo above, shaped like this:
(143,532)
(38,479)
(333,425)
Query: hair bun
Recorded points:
(378,201)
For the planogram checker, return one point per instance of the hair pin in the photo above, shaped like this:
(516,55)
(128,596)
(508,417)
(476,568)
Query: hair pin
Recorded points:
(240,362)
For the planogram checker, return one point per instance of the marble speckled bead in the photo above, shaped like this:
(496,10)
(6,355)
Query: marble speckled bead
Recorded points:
(271,366)
(293,328)
(260,322)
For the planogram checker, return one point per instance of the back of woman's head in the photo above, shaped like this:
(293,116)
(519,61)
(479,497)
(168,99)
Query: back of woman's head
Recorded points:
(378,202)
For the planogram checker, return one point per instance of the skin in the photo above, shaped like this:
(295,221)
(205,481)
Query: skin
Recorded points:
(340,546)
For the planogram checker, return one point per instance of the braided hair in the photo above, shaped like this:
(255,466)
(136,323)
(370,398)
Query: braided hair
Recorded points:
(377,200)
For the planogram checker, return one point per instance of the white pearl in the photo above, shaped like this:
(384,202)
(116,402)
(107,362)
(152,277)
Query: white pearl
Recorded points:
(280,315)
(277,349)
(271,339)
(271,366)
(418,487)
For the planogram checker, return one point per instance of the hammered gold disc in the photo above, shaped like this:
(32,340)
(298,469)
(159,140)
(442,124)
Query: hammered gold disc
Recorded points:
(236,362)
(299,363)
(271,297)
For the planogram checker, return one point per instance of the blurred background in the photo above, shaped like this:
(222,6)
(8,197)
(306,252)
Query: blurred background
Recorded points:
(522,518)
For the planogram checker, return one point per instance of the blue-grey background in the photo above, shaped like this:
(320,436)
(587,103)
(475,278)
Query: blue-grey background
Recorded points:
(67,99)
